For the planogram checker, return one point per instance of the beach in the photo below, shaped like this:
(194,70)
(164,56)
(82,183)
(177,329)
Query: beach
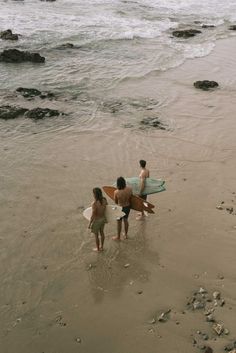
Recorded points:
(57,295)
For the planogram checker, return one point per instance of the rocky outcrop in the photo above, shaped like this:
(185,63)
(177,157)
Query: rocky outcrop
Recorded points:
(18,56)
(41,113)
(66,46)
(232,28)
(8,112)
(8,35)
(208,26)
(33,92)
(186,33)
(205,84)
(152,122)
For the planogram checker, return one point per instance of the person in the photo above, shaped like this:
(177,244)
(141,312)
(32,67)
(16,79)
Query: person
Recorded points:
(122,197)
(143,175)
(98,218)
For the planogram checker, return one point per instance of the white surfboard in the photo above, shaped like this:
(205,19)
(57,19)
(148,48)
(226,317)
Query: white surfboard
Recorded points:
(112,213)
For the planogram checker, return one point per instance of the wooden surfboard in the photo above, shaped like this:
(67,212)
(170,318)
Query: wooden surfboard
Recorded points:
(137,203)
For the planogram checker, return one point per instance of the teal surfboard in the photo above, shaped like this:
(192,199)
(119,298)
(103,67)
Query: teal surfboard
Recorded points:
(152,186)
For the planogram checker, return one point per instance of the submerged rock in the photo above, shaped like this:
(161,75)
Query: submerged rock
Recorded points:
(66,46)
(8,112)
(18,56)
(186,33)
(152,122)
(33,92)
(205,84)
(8,35)
(41,113)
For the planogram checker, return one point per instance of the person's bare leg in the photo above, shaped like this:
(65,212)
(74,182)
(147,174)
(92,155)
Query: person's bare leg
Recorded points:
(102,238)
(119,226)
(126,224)
(97,242)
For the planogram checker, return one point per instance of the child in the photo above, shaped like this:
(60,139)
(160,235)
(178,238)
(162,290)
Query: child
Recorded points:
(98,219)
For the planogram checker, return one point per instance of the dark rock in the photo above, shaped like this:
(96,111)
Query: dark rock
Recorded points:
(8,112)
(28,92)
(66,46)
(230,346)
(205,84)
(208,26)
(8,35)
(152,122)
(208,349)
(232,28)
(41,113)
(186,33)
(33,92)
(18,56)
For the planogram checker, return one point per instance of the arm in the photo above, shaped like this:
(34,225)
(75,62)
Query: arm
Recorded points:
(115,197)
(93,215)
(142,185)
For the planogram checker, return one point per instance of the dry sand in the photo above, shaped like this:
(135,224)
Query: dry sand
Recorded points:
(55,291)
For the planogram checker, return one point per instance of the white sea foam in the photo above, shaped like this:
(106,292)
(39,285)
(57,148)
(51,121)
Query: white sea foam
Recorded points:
(118,38)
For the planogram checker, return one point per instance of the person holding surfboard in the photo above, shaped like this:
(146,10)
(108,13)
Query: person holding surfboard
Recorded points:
(122,197)
(98,220)
(142,176)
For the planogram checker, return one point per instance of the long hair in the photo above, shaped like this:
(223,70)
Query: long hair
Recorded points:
(97,192)
(121,183)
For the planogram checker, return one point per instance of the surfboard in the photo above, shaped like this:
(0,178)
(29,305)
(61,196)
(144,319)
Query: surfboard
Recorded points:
(152,186)
(137,203)
(112,213)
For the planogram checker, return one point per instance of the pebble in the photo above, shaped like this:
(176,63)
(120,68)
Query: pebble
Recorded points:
(216,295)
(218,328)
(126,265)
(78,340)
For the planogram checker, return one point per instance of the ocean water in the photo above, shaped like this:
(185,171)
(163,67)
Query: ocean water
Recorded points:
(114,40)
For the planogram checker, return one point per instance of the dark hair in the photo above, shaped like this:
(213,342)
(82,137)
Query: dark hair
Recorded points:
(121,183)
(142,163)
(97,192)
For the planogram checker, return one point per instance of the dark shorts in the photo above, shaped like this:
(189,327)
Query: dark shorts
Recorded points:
(126,210)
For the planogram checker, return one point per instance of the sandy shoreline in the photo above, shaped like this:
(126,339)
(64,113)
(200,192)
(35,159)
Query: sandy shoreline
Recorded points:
(55,290)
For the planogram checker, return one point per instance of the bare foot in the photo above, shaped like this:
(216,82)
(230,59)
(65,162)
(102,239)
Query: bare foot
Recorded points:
(116,238)
(101,248)
(95,249)
(125,236)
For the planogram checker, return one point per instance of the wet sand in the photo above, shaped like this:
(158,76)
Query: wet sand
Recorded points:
(56,291)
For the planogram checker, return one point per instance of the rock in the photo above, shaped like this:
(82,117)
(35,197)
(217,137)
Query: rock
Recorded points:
(153,321)
(78,340)
(164,316)
(126,265)
(66,46)
(41,113)
(233,351)
(152,122)
(205,84)
(230,210)
(202,290)
(232,28)
(210,318)
(208,26)
(28,92)
(8,35)
(216,295)
(218,328)
(33,92)
(198,305)
(208,349)
(18,56)
(186,33)
(231,347)
(9,112)
(226,331)
(219,208)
